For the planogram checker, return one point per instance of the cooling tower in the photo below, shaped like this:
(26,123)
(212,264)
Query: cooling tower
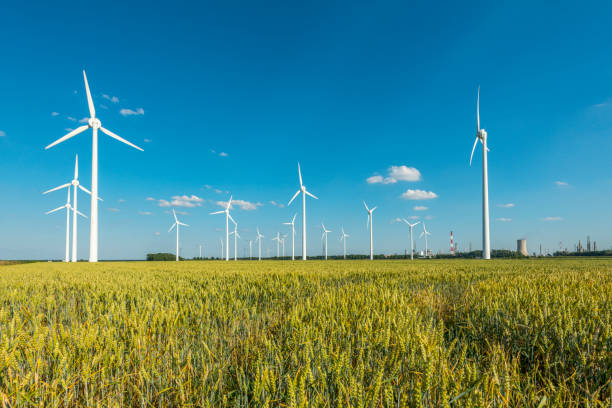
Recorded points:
(521,247)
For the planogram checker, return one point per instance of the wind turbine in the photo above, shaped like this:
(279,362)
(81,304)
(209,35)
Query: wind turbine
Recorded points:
(304,193)
(75,184)
(227,218)
(481,135)
(343,238)
(292,223)
(324,236)
(68,208)
(250,249)
(221,241)
(259,237)
(176,224)
(411,243)
(283,244)
(425,233)
(278,240)
(236,236)
(95,124)
(370,225)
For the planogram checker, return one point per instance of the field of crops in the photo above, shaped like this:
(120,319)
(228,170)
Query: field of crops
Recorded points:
(342,334)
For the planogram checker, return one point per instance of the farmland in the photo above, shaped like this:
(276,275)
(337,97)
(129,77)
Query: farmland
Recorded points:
(340,333)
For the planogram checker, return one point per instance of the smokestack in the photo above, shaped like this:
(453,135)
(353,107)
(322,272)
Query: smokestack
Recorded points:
(452,247)
(521,247)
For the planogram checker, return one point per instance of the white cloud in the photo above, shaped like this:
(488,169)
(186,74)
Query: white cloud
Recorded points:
(54,113)
(374,179)
(157,233)
(429,217)
(419,195)
(182,201)
(147,140)
(145,212)
(181,212)
(274,203)
(404,173)
(103,106)
(68,129)
(414,217)
(508,205)
(2,133)
(113,99)
(121,200)
(150,199)
(218,191)
(420,208)
(207,186)
(71,118)
(130,112)
(223,154)
(244,205)
(398,219)
(114,209)
(561,183)
(504,219)
(83,120)
(395,174)
(552,219)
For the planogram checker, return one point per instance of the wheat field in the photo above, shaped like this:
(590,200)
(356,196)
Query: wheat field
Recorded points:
(447,333)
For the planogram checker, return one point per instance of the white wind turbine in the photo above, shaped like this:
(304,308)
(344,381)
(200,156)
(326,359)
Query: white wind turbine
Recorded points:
(176,224)
(68,208)
(371,227)
(481,135)
(411,242)
(236,236)
(292,223)
(283,243)
(324,237)
(95,124)
(259,237)
(304,193)
(250,249)
(343,238)
(425,233)
(75,185)
(227,218)
(221,241)
(278,241)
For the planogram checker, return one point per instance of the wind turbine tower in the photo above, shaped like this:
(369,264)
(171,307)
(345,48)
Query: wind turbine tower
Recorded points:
(481,135)
(411,241)
(370,225)
(304,194)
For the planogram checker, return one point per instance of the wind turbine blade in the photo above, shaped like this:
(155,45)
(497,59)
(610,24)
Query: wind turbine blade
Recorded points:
(230,217)
(92,110)
(75,132)
(366,207)
(286,223)
(174,213)
(183,224)
(293,220)
(374,208)
(57,209)
(119,138)
(58,188)
(421,236)
(172,227)
(76,167)
(312,195)
(217,212)
(473,148)
(229,203)
(300,174)
(478,110)
(293,198)
(80,213)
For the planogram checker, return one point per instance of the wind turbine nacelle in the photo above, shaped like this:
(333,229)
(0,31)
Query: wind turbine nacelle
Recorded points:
(94,123)
(482,134)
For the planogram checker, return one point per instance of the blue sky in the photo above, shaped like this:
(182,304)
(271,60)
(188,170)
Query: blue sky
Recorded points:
(349,89)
